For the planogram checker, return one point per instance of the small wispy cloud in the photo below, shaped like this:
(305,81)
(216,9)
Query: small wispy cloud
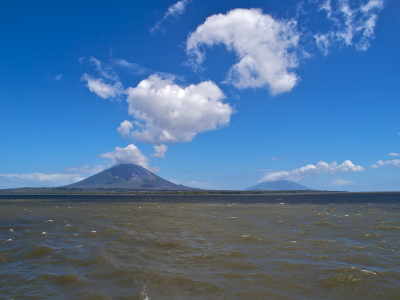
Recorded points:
(311,170)
(341,182)
(104,70)
(129,155)
(380,163)
(159,151)
(198,184)
(136,69)
(261,170)
(102,89)
(352,25)
(58,77)
(394,154)
(38,180)
(49,179)
(84,170)
(193,183)
(107,84)
(175,10)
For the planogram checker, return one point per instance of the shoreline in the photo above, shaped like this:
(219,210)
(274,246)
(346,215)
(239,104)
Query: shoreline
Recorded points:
(123,192)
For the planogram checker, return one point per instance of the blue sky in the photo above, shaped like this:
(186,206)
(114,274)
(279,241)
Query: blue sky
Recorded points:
(210,94)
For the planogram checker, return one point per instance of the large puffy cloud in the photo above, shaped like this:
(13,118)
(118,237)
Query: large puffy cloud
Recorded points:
(264,46)
(166,112)
(352,24)
(310,170)
(380,163)
(129,155)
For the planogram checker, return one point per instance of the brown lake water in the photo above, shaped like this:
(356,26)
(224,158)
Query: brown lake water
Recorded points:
(337,246)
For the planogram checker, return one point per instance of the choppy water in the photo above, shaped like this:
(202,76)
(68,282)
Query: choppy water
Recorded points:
(343,246)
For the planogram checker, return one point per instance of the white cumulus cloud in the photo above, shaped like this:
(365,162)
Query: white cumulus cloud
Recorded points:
(353,24)
(125,128)
(380,163)
(341,182)
(129,155)
(166,112)
(394,154)
(159,150)
(265,47)
(310,170)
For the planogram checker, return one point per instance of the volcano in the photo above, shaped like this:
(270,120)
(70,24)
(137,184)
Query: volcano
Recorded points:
(279,185)
(128,177)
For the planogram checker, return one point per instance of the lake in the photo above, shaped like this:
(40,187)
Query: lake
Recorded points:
(308,246)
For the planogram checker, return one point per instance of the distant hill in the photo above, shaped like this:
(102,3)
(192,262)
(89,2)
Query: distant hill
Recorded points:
(127,176)
(279,185)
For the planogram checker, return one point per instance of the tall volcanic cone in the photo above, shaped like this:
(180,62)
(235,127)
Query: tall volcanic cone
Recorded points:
(127,176)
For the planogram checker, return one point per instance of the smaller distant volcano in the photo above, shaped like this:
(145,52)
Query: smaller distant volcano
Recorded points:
(279,185)
(129,177)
